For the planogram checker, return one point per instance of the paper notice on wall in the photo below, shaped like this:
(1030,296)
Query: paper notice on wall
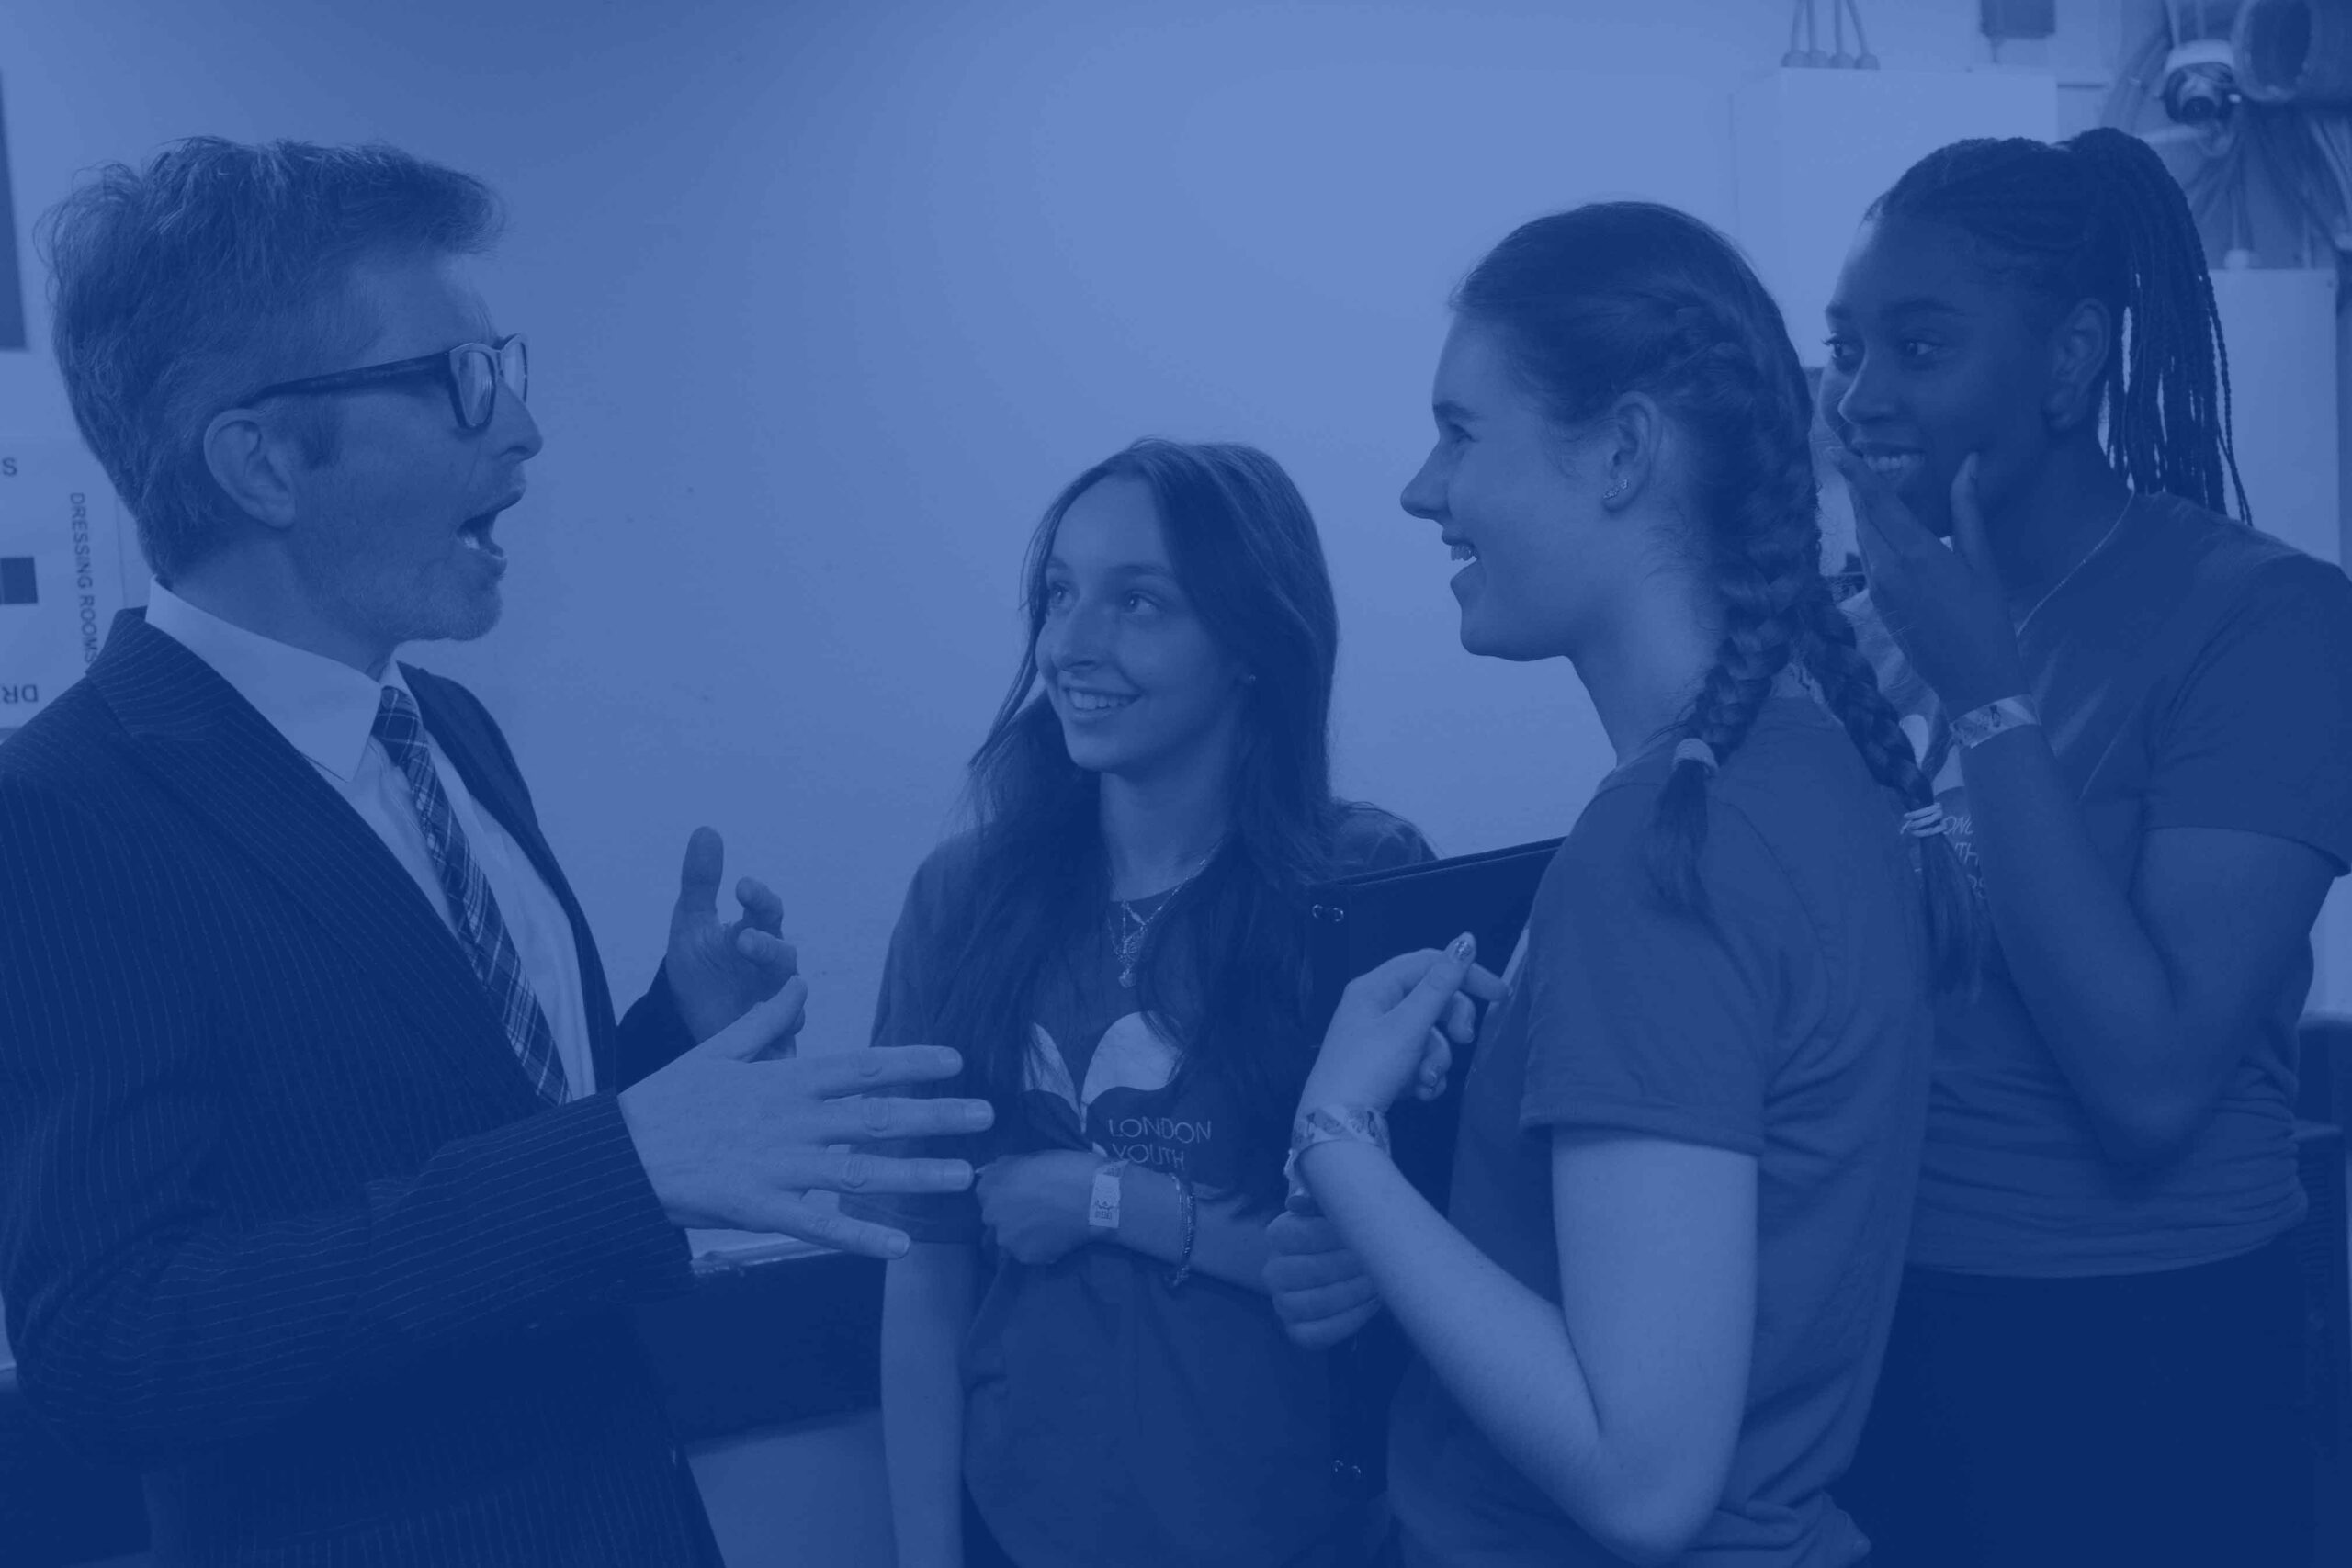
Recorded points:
(60,570)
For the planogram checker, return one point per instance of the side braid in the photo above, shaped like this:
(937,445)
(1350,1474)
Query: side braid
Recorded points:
(1777,607)
(1955,929)
(1617,299)
(1765,540)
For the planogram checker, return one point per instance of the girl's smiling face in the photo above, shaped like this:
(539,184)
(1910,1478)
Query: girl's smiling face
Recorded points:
(1131,672)
(1506,488)
(1931,359)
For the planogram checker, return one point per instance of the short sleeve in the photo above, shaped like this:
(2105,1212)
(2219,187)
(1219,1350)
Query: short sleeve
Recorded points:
(907,1013)
(2259,736)
(1643,1021)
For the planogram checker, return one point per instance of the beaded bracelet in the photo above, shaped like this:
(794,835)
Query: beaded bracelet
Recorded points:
(1185,1208)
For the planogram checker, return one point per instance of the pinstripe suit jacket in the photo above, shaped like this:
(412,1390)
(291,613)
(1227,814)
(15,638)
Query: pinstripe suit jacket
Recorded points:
(281,1221)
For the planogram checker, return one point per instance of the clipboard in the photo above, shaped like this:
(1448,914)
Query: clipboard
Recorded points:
(1355,924)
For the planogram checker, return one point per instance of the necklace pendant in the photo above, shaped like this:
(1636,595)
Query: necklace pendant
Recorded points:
(1127,978)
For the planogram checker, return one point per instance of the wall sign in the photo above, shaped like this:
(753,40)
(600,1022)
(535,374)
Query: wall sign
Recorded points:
(61,569)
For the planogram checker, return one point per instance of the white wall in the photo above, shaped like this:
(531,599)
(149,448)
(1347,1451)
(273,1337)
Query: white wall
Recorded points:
(826,301)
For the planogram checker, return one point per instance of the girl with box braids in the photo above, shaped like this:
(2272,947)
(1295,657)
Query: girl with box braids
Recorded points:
(2137,712)
(2100,217)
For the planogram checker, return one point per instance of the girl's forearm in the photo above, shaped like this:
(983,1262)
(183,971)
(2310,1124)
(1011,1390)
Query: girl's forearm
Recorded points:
(1499,1349)
(2093,979)
(1228,1240)
(927,1302)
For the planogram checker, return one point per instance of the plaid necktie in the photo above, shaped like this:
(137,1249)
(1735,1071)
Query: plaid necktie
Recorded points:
(401,728)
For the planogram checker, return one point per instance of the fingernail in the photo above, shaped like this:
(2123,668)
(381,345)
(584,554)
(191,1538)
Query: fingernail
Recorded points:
(1464,946)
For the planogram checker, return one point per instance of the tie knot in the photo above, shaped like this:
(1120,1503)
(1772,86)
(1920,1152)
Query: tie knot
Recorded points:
(398,723)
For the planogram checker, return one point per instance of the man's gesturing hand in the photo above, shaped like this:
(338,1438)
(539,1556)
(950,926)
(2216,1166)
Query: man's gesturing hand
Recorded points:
(735,1143)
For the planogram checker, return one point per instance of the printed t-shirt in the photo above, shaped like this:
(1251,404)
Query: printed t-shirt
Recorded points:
(2194,673)
(1795,1031)
(1108,1419)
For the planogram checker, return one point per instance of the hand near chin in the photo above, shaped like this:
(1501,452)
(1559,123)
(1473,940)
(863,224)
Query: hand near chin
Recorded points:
(1944,606)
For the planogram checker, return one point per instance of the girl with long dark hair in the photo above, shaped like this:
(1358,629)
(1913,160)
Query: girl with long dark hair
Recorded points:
(1646,1328)
(2138,713)
(1082,1350)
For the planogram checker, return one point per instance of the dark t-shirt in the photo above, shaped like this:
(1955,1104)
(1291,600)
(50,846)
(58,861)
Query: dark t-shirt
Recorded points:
(1107,1418)
(1795,1031)
(2194,674)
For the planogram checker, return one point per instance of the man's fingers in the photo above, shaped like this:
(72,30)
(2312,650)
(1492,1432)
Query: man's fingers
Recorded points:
(699,877)
(868,1069)
(877,1118)
(1324,1332)
(789,1213)
(774,956)
(854,1171)
(764,1026)
(762,905)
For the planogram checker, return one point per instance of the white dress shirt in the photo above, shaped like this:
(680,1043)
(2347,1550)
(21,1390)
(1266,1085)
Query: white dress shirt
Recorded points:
(327,711)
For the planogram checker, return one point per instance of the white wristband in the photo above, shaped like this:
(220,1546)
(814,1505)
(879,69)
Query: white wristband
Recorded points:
(1329,1124)
(1103,1210)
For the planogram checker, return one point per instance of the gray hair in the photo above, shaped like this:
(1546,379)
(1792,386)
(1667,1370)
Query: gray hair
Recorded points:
(219,268)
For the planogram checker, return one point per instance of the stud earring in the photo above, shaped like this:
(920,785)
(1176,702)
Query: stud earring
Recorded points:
(1613,492)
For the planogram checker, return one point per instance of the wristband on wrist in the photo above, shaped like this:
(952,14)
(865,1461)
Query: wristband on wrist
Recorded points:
(1102,1209)
(1979,725)
(1189,1212)
(1330,1123)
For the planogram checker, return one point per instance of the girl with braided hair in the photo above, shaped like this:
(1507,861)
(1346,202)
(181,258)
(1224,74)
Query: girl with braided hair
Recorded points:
(1648,1326)
(2139,715)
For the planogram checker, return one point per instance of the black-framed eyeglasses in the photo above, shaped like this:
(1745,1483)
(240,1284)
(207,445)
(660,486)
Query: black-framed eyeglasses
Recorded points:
(471,371)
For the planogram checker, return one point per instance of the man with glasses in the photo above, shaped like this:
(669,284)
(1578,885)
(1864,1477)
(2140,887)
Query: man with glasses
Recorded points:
(324,1168)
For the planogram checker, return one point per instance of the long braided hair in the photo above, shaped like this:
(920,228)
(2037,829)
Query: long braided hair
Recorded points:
(1617,297)
(2099,216)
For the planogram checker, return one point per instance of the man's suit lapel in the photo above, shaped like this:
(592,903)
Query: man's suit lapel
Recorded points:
(211,748)
(498,789)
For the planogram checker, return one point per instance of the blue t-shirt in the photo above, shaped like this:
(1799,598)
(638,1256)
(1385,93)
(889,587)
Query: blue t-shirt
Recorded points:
(1107,1418)
(1797,1031)
(2195,674)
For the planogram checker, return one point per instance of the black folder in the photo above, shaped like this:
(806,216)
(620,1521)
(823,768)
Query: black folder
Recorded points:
(1356,924)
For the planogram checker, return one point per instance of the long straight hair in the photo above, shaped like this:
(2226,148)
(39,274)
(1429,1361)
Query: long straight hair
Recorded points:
(1222,969)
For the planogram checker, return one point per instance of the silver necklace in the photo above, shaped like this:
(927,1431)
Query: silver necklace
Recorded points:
(2075,571)
(1128,928)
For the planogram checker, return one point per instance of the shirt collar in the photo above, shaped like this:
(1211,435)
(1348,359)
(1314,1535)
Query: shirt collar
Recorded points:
(324,709)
